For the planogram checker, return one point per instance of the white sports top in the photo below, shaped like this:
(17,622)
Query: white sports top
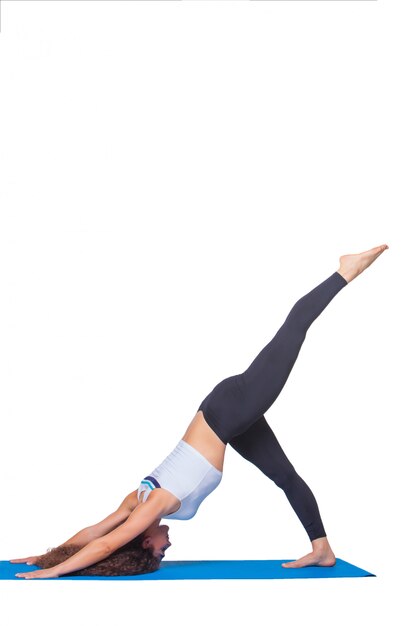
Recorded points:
(188,475)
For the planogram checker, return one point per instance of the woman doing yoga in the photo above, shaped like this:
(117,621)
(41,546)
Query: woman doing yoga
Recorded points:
(131,540)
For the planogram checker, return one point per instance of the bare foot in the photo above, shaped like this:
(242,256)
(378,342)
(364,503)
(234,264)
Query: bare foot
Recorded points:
(311,559)
(322,554)
(351,265)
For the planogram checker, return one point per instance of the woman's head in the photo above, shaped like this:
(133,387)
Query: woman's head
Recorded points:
(141,555)
(156,537)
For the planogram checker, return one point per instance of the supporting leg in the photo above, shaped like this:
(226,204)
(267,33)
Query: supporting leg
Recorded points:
(259,446)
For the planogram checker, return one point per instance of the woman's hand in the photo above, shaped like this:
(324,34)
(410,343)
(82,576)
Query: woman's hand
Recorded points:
(51,572)
(29,560)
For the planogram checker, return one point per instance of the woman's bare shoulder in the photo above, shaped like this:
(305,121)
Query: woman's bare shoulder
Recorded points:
(131,500)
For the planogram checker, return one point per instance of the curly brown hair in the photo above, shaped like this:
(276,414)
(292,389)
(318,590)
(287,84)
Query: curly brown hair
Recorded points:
(128,560)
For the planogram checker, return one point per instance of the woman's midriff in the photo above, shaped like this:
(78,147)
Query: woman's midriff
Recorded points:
(204,439)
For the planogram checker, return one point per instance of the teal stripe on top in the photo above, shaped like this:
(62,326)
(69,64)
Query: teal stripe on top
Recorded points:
(148,483)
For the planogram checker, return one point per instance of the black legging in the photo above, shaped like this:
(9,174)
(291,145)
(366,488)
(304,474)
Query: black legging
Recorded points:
(234,408)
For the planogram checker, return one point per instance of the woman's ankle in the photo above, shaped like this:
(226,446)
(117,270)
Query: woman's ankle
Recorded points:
(347,275)
(321,545)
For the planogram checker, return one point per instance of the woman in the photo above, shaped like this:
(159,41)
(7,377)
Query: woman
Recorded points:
(132,540)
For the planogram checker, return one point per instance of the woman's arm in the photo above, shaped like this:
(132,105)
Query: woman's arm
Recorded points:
(138,521)
(86,535)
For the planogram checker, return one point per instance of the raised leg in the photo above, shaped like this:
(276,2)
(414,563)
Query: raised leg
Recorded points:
(263,380)
(236,402)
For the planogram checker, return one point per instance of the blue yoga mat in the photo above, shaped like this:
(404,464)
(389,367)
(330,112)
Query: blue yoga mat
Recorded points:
(203,570)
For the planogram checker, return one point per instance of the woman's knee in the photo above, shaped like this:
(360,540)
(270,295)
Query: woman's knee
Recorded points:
(285,478)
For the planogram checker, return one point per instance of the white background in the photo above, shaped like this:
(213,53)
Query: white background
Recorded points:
(174,176)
